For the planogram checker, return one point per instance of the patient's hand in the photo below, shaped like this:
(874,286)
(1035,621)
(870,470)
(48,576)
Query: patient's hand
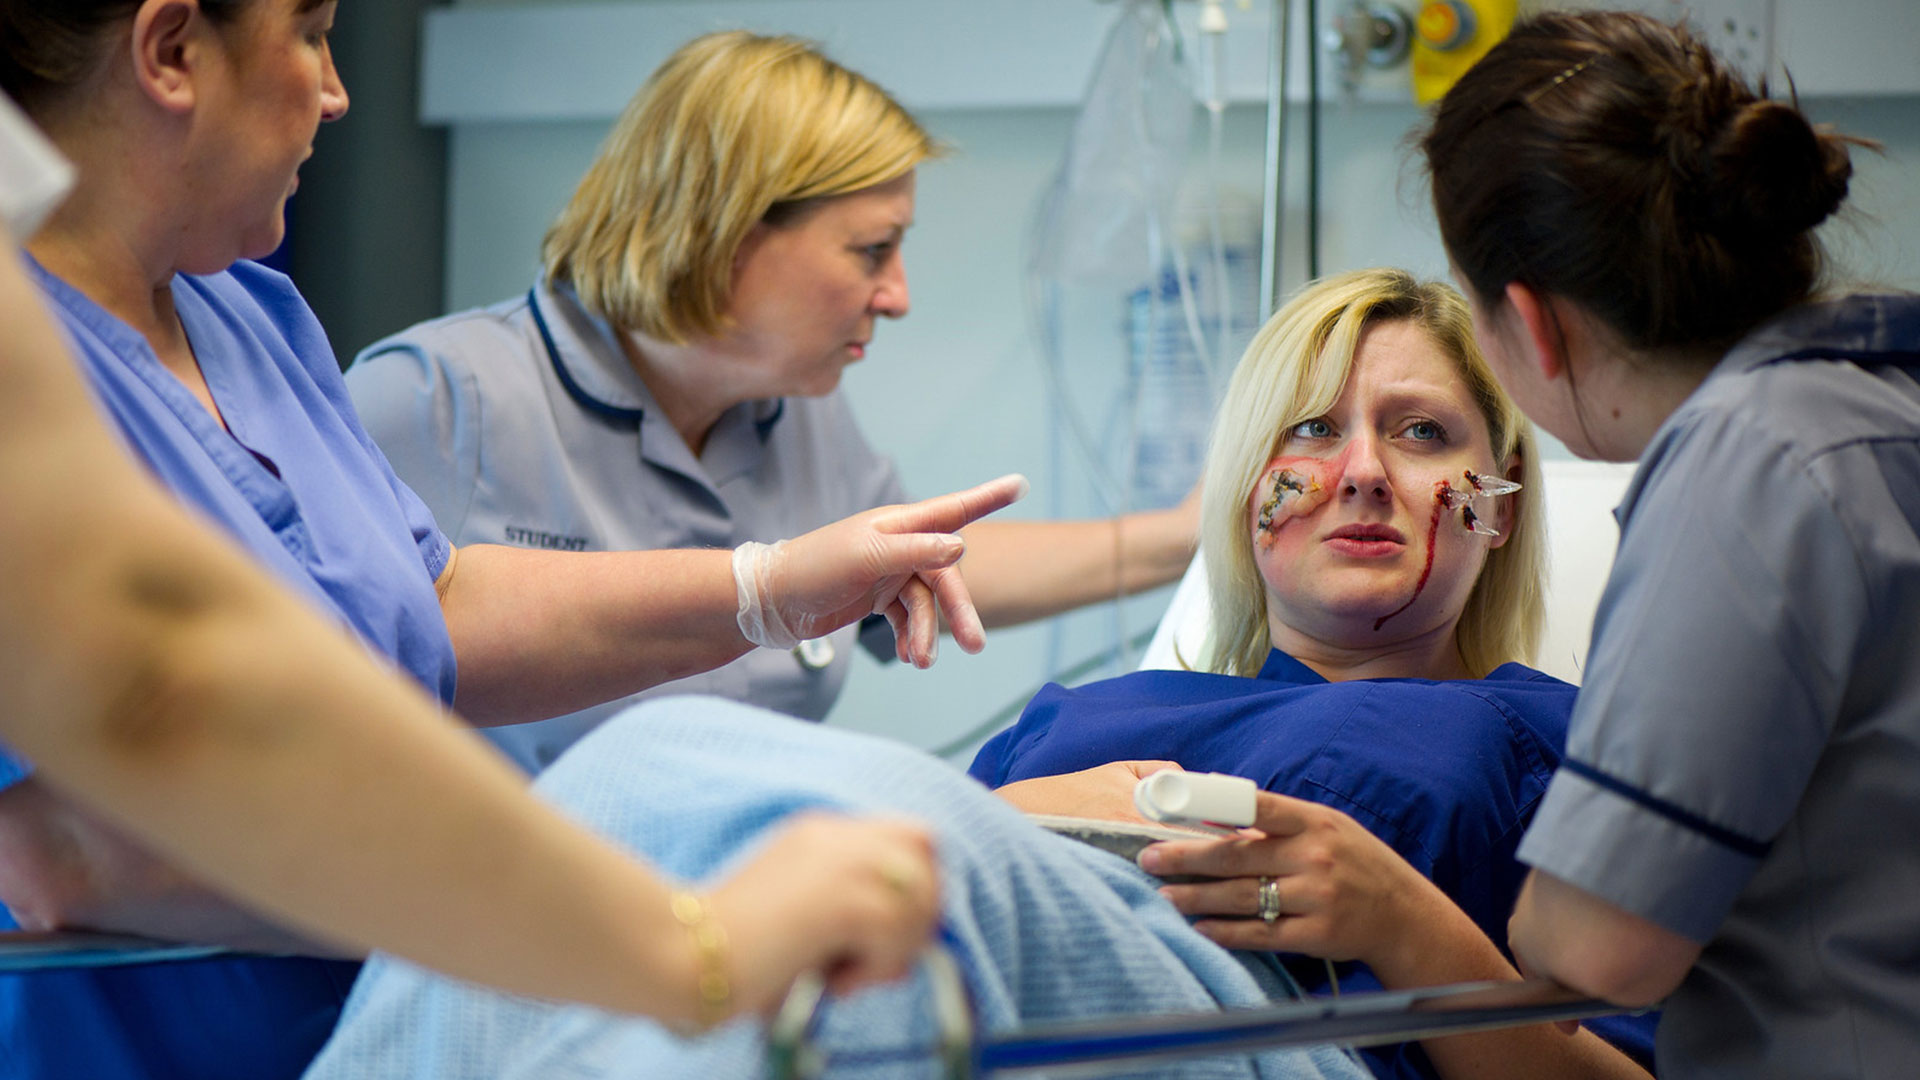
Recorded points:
(1344,894)
(1104,791)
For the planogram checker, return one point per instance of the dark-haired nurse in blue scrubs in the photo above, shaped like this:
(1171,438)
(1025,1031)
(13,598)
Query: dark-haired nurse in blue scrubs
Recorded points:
(187,121)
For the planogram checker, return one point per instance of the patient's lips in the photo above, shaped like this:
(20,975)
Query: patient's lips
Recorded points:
(1367,541)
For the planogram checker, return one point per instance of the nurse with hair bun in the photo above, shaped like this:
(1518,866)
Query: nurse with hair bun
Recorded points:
(1729,832)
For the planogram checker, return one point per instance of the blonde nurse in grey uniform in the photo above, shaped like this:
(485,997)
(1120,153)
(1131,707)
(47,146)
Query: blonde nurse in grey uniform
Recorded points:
(671,381)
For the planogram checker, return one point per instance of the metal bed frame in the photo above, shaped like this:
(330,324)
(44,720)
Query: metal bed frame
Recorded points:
(1081,1048)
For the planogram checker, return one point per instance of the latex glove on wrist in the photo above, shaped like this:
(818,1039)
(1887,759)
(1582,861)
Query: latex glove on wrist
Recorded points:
(897,561)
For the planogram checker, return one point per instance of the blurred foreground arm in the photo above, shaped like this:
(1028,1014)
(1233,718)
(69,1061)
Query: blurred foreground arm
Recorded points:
(154,675)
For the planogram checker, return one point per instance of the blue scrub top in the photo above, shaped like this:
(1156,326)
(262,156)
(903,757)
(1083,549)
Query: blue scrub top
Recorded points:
(1448,773)
(301,487)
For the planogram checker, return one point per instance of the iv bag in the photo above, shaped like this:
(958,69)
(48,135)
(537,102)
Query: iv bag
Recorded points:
(1105,213)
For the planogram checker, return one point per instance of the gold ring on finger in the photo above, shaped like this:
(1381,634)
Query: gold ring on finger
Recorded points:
(1269,909)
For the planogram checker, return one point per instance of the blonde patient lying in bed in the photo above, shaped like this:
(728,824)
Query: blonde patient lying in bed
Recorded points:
(1376,584)
(1046,928)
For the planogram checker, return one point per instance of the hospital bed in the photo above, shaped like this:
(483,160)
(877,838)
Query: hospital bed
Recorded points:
(1580,497)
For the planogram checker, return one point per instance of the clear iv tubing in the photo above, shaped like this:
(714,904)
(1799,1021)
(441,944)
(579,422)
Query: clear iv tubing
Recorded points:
(1042,305)
(1213,94)
(1116,491)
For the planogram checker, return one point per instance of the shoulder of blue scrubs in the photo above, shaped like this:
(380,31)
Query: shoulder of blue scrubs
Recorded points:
(292,476)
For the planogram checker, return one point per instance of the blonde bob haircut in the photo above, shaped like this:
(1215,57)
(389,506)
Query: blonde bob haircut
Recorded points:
(733,129)
(1292,372)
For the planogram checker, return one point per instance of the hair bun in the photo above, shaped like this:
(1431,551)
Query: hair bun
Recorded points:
(1771,175)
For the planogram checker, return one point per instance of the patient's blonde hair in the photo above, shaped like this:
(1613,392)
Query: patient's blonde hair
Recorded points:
(1293,371)
(733,129)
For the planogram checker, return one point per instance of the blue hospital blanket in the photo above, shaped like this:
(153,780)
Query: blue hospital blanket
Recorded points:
(1045,928)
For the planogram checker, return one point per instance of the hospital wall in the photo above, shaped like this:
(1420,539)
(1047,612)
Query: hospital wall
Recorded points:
(956,392)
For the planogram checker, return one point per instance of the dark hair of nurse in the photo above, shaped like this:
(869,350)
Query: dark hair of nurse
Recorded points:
(1615,161)
(48,46)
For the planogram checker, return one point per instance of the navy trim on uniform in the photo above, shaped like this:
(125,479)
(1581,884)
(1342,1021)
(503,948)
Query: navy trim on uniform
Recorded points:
(1862,356)
(1687,819)
(765,427)
(574,390)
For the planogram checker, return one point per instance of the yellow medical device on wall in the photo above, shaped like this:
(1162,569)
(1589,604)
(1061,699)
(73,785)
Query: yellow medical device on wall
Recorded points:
(1448,36)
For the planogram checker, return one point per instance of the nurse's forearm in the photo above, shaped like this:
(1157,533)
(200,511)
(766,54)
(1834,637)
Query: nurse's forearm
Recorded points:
(1573,937)
(1024,570)
(1442,945)
(543,633)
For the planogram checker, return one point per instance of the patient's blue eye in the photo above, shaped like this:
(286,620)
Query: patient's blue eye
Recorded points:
(1317,428)
(1426,431)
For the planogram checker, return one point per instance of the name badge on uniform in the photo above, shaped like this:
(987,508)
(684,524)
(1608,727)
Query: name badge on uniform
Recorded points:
(814,654)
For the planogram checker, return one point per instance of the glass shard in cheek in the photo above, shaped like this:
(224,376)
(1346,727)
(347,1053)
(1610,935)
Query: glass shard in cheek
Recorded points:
(1292,490)
(1479,487)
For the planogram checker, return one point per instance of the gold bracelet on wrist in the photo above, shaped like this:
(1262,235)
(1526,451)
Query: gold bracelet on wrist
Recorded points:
(714,989)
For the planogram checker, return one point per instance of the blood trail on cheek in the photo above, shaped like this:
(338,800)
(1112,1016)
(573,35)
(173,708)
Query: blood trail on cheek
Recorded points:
(1440,492)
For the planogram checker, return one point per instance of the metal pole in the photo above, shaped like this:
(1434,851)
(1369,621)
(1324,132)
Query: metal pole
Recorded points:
(1273,203)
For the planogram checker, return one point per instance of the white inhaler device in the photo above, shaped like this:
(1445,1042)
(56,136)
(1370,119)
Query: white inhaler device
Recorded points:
(1215,802)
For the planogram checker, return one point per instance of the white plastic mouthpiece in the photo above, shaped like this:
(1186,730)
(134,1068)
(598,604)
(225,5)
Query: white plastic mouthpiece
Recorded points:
(1183,798)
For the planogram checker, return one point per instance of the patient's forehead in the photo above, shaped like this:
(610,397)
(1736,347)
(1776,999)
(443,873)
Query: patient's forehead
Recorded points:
(1399,357)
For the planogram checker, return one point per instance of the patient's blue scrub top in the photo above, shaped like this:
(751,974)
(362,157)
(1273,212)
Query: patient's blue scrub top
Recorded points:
(301,487)
(1448,773)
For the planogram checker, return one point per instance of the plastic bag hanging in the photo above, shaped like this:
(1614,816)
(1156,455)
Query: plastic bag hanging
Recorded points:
(1107,213)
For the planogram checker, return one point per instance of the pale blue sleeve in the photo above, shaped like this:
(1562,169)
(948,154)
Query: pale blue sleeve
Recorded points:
(1721,651)
(424,414)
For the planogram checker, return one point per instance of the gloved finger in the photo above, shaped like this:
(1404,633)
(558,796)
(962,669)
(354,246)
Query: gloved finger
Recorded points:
(923,622)
(896,613)
(950,513)
(950,588)
(912,553)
